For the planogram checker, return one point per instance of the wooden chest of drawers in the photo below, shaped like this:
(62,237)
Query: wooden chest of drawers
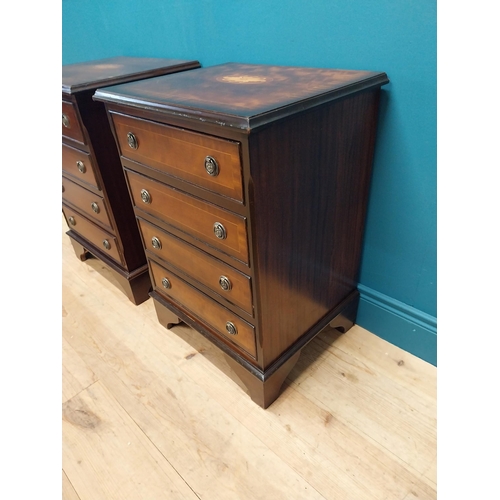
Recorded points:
(250,187)
(94,192)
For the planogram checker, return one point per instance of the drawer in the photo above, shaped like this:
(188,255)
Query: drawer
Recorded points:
(209,312)
(191,215)
(71,126)
(79,164)
(86,201)
(232,285)
(186,155)
(92,233)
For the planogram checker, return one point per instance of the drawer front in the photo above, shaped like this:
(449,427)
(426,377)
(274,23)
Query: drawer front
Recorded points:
(215,316)
(191,215)
(92,233)
(218,276)
(187,155)
(89,203)
(79,165)
(71,126)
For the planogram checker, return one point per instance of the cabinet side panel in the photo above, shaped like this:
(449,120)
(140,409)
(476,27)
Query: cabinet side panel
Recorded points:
(309,181)
(115,187)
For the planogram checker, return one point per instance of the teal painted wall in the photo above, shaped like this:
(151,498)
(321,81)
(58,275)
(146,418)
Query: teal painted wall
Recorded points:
(398,37)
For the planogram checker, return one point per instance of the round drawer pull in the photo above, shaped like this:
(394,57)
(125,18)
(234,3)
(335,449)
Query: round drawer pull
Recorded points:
(81,166)
(106,244)
(166,283)
(231,328)
(156,243)
(95,207)
(132,141)
(211,166)
(65,120)
(220,231)
(72,221)
(63,189)
(225,284)
(145,196)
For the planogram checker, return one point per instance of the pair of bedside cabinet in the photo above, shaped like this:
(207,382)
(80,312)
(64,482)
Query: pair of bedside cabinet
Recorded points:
(248,187)
(95,198)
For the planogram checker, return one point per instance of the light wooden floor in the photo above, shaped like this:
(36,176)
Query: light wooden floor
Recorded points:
(148,415)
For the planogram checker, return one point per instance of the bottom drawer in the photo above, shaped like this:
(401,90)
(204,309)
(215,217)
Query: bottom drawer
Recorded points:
(95,235)
(219,319)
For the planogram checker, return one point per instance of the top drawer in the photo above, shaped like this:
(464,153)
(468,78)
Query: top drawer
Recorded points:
(208,162)
(71,124)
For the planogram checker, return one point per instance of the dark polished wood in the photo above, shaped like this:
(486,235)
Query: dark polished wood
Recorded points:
(95,236)
(94,187)
(72,159)
(89,203)
(243,96)
(165,316)
(263,392)
(214,316)
(182,154)
(309,248)
(201,266)
(306,141)
(191,215)
(72,124)
(90,75)
(80,251)
(347,317)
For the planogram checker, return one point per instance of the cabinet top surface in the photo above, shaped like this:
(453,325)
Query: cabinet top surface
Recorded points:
(241,95)
(114,70)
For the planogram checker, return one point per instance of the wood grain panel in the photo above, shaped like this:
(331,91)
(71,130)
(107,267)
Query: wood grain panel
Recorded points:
(208,311)
(92,233)
(73,130)
(306,138)
(106,157)
(199,265)
(191,215)
(309,223)
(182,153)
(242,96)
(89,75)
(83,199)
(70,157)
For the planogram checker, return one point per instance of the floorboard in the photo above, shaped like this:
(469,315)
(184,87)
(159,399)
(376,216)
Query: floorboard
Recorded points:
(152,413)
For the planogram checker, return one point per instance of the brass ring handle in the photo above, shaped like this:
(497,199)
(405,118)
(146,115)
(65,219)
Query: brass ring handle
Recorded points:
(145,196)
(220,231)
(231,328)
(95,207)
(81,166)
(65,120)
(72,221)
(106,244)
(132,141)
(166,283)
(211,166)
(156,243)
(225,283)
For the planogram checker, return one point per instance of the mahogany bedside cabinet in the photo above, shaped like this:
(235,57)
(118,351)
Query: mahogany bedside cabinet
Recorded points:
(250,187)
(96,203)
